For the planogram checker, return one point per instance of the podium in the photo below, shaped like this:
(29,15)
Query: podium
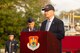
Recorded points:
(39,42)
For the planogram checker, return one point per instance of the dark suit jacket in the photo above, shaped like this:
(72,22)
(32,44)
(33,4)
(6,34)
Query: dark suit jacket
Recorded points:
(57,28)
(27,29)
(14,46)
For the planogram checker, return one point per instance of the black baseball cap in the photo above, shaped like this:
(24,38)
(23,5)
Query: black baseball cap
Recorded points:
(48,7)
(30,20)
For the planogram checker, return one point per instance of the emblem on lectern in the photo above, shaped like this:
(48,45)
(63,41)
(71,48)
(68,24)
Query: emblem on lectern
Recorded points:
(33,43)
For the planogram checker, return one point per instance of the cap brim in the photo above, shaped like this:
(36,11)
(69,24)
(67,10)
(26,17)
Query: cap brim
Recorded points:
(45,9)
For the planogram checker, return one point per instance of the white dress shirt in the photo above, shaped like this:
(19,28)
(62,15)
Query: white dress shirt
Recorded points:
(48,24)
(30,29)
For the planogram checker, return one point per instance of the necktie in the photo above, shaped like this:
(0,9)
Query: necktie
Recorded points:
(47,26)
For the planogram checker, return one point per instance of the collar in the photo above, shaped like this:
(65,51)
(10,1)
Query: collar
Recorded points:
(31,29)
(51,19)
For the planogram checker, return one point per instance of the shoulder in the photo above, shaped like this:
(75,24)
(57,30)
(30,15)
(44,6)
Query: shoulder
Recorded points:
(15,41)
(36,29)
(7,41)
(44,21)
(58,20)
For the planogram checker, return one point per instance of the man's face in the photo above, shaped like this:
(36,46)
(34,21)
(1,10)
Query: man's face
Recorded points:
(49,14)
(31,25)
(11,37)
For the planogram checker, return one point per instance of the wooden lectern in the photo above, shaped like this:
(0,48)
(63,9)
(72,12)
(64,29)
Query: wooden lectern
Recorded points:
(38,42)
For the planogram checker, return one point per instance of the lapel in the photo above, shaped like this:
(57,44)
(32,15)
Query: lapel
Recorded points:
(52,24)
(34,29)
(27,29)
(44,25)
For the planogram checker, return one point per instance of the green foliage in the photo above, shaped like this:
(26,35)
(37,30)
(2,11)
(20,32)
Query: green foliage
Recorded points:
(12,21)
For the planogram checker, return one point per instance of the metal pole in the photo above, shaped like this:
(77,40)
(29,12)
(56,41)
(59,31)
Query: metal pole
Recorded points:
(68,21)
(70,18)
(73,18)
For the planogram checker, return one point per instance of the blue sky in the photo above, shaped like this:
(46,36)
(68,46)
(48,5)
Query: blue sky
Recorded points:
(65,5)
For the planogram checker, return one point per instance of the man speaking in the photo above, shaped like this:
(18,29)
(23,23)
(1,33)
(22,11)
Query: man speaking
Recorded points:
(52,24)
